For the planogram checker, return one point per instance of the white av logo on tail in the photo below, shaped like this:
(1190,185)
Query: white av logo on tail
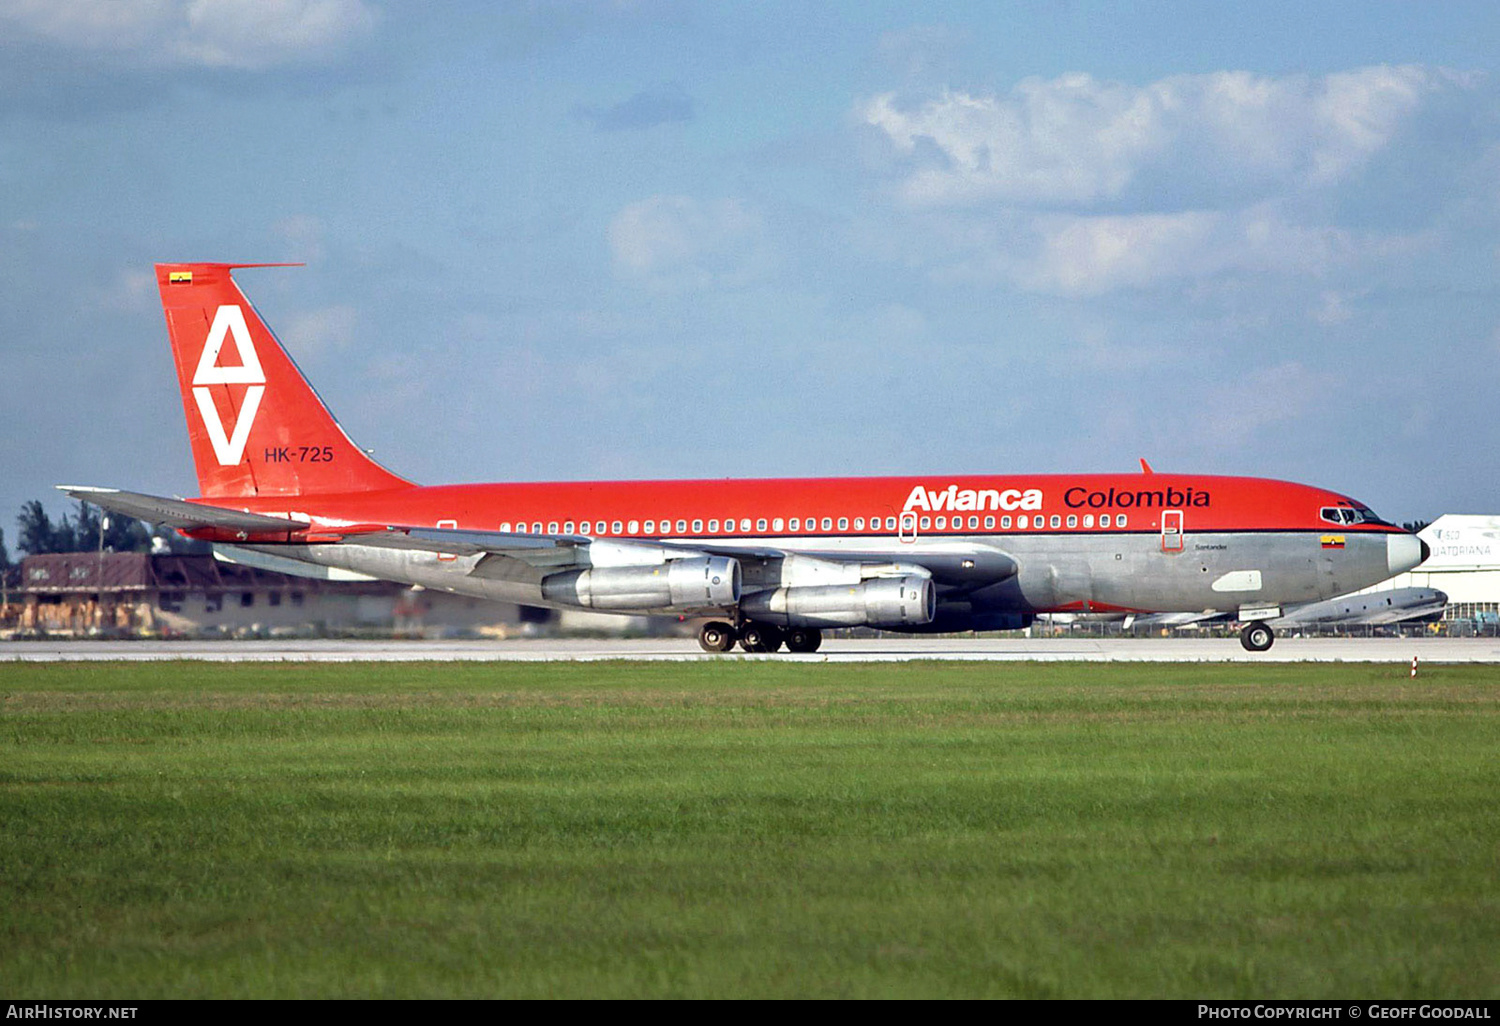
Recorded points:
(231,320)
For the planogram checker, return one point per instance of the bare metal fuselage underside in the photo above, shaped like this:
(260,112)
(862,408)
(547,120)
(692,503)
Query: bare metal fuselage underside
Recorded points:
(978,577)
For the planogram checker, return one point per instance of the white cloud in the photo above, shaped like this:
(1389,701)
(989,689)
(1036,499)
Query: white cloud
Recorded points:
(1086,255)
(680,242)
(1075,140)
(212,33)
(1070,140)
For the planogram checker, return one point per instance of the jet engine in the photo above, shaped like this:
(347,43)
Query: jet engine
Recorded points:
(694,583)
(877,602)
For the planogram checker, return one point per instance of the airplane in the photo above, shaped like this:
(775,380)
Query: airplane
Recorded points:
(1397,605)
(1373,608)
(763,563)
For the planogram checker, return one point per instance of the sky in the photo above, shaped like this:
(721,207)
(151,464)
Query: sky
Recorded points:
(589,240)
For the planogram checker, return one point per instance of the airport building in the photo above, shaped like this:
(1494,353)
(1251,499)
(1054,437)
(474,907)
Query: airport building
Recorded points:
(156,595)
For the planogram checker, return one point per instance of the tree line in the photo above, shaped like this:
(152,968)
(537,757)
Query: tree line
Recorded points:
(80,530)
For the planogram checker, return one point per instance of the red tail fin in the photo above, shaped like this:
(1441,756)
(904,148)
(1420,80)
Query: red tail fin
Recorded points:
(256,425)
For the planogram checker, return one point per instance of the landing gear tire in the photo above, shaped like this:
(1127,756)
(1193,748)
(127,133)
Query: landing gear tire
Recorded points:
(758,637)
(716,636)
(802,640)
(1257,637)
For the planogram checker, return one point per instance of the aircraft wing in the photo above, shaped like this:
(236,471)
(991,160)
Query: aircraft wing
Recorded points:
(1372,608)
(178,513)
(528,557)
(960,567)
(504,555)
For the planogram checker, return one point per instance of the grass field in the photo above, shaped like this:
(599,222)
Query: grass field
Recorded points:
(748,829)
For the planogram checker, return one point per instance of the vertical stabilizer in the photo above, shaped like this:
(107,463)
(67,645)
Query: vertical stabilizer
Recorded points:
(255,424)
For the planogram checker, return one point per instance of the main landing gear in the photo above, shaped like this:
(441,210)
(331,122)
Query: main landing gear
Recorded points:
(803,639)
(760,637)
(715,636)
(1257,636)
(718,636)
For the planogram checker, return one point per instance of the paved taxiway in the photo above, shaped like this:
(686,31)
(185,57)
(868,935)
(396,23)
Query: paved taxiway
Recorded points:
(1163,650)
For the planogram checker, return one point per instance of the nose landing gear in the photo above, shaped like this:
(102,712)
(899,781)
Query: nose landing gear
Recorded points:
(1257,637)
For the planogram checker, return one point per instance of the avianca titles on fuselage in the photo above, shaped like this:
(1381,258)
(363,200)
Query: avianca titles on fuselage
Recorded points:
(762,562)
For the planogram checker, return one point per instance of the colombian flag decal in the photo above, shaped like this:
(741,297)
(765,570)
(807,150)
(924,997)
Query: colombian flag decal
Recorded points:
(180,277)
(1333,541)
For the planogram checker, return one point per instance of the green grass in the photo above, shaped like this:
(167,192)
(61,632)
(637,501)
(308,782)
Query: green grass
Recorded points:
(748,829)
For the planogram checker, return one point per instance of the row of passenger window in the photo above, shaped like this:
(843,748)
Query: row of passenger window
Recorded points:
(1024,522)
(795,525)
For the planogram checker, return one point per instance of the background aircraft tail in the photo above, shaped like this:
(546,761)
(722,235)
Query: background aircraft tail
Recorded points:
(255,424)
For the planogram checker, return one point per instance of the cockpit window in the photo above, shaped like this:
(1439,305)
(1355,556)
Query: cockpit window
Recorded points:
(1345,515)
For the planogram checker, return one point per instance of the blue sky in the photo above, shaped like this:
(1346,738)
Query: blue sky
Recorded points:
(591,240)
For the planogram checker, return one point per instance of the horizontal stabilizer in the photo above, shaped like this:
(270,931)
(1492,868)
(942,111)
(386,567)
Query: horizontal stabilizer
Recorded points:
(178,513)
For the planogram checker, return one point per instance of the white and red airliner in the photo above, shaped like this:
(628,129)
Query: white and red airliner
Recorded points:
(764,563)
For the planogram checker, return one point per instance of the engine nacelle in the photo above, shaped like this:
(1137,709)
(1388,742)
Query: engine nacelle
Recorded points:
(702,582)
(878,602)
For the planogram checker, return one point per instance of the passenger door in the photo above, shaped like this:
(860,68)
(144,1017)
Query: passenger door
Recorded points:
(1171,530)
(907,528)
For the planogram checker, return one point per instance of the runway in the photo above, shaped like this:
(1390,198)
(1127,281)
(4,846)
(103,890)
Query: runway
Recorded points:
(1160,650)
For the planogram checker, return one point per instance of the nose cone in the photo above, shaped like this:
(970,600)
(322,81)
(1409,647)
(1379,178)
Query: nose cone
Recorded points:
(1404,551)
